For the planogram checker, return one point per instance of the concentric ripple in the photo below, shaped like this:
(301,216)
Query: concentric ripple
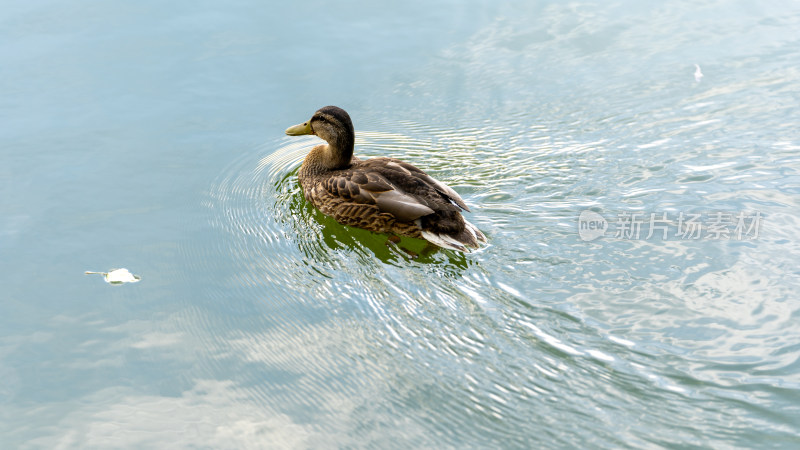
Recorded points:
(510,327)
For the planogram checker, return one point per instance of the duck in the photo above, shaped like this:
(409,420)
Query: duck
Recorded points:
(381,194)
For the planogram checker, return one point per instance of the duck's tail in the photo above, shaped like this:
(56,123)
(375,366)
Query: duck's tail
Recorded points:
(470,238)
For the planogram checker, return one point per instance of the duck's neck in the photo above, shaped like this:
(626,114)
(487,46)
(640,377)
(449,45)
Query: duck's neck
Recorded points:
(325,158)
(340,151)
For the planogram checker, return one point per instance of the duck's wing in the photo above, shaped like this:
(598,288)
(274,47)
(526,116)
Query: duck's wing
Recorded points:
(415,181)
(358,187)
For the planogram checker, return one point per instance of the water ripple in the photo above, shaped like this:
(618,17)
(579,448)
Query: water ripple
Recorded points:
(535,314)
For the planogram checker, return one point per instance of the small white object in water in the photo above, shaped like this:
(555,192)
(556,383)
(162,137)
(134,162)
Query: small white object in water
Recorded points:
(117,276)
(698,75)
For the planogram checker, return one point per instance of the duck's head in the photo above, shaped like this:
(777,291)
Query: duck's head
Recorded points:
(330,123)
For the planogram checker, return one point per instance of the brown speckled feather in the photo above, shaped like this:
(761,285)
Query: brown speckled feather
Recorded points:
(384,195)
(379,194)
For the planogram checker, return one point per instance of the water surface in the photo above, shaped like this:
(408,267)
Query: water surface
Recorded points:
(150,136)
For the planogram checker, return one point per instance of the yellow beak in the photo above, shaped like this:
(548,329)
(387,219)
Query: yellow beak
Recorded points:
(299,130)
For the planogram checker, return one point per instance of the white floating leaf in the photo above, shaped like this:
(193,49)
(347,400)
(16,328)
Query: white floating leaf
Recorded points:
(698,74)
(118,276)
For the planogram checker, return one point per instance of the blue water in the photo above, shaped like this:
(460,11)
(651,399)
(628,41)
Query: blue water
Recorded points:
(149,135)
